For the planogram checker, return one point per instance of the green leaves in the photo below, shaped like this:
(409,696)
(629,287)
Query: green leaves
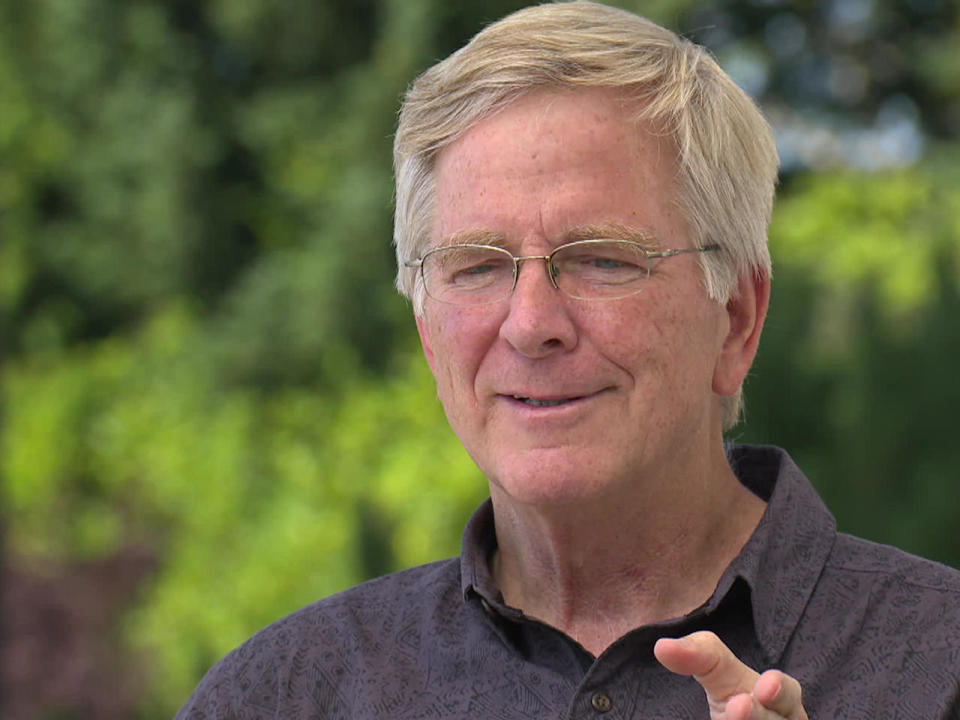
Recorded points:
(889,234)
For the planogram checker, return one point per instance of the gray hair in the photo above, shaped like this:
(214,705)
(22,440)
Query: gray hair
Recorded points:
(727,160)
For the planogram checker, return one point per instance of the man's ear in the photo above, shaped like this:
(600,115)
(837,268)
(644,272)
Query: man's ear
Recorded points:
(746,312)
(425,341)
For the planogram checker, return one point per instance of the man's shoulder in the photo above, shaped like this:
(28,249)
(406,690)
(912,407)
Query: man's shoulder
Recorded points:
(905,596)
(879,634)
(376,620)
(890,564)
(373,604)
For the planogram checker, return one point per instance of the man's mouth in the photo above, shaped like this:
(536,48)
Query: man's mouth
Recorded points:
(543,403)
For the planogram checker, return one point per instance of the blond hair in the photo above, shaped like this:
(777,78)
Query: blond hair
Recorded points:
(727,160)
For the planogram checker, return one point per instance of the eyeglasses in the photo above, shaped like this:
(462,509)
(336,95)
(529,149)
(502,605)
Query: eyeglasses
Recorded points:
(585,269)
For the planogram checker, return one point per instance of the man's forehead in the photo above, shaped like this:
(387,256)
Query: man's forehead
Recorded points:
(540,108)
(551,168)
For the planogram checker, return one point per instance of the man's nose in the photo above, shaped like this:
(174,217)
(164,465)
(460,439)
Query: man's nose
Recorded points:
(538,322)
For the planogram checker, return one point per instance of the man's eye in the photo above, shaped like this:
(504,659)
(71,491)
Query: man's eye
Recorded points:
(479,269)
(607,263)
(602,263)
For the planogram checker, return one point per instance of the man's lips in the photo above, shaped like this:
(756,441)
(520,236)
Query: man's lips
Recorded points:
(548,400)
(536,402)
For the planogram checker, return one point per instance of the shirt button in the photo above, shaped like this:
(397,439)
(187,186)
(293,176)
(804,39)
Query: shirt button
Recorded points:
(601,702)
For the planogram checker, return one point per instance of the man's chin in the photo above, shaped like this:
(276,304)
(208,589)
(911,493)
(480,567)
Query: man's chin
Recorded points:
(550,476)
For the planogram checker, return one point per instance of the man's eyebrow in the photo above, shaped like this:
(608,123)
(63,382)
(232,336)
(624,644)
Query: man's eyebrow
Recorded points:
(612,231)
(607,231)
(474,237)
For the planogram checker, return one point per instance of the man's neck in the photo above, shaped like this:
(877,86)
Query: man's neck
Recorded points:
(603,568)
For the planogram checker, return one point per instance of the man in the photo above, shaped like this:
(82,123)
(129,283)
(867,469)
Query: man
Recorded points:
(582,207)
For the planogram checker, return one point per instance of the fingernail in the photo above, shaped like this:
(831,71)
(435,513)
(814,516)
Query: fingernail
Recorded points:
(776,693)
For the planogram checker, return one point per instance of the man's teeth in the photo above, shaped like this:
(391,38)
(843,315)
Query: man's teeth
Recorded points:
(540,403)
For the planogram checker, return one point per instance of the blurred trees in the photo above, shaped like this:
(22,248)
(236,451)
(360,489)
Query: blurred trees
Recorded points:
(856,373)
(201,352)
(845,82)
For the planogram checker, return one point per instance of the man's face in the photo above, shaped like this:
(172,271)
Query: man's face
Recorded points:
(636,376)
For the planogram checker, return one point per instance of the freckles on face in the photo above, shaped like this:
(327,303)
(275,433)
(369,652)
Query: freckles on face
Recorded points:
(456,340)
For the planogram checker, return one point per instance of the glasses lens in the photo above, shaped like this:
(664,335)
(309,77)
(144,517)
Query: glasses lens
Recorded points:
(468,274)
(594,269)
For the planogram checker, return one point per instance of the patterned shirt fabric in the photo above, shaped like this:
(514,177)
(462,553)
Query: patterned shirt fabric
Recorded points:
(869,631)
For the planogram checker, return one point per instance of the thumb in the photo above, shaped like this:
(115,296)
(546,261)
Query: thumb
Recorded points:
(703,656)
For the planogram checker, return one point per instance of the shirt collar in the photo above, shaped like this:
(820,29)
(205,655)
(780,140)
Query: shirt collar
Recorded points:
(786,554)
(479,542)
(781,561)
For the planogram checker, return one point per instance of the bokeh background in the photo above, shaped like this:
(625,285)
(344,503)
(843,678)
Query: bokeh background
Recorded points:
(213,406)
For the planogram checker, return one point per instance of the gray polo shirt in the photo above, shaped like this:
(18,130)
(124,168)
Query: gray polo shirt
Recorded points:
(869,631)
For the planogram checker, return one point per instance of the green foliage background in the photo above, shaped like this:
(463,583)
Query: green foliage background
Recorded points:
(201,350)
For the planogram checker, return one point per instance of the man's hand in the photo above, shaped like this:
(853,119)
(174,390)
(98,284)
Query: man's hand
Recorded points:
(734,691)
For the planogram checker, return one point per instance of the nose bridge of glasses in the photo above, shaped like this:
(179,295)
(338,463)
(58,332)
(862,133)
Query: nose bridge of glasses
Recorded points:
(550,268)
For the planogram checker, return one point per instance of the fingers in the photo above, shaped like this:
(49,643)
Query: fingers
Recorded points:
(775,696)
(703,656)
(734,690)
(747,707)
(780,693)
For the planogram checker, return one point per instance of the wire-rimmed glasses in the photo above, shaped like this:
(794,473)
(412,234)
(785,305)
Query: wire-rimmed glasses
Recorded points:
(602,269)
